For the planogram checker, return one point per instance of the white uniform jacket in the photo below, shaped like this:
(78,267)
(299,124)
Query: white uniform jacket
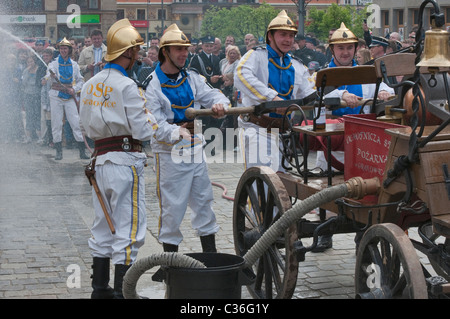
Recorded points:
(78,79)
(112,105)
(251,78)
(368,92)
(168,134)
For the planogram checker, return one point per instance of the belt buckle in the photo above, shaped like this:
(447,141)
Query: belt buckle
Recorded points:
(126,146)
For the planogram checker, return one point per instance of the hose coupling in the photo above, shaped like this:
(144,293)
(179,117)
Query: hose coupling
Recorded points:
(359,187)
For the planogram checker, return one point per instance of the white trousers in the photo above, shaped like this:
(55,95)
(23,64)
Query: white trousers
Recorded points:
(58,107)
(259,147)
(180,185)
(123,192)
(321,161)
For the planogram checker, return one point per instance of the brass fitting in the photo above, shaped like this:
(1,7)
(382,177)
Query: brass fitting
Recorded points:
(359,187)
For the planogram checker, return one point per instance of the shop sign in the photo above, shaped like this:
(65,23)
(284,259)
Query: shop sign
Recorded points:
(84,18)
(23,19)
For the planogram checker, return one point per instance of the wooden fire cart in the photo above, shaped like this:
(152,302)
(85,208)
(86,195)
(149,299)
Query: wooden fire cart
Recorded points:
(415,193)
(410,160)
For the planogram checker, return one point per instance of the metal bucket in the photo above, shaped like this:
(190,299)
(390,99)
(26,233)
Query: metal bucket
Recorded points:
(222,278)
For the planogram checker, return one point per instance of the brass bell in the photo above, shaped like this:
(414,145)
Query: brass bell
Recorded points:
(436,52)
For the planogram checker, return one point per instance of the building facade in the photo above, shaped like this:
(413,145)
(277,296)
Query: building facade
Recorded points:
(55,19)
(188,14)
(403,15)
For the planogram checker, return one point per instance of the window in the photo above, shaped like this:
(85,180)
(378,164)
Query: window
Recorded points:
(385,17)
(162,14)
(120,14)
(400,20)
(23,5)
(32,5)
(140,14)
(93,4)
(415,15)
(84,4)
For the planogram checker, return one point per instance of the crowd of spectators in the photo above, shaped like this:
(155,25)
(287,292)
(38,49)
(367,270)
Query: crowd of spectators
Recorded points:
(26,111)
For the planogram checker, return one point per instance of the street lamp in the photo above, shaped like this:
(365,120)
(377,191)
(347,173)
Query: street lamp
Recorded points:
(148,25)
(162,17)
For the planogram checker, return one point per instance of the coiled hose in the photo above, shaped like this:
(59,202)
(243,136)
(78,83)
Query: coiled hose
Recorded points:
(162,259)
(353,188)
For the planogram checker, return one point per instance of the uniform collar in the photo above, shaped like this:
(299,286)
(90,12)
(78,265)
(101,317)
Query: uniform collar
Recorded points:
(110,65)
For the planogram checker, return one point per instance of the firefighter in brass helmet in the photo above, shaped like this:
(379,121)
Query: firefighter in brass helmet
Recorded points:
(66,83)
(113,114)
(343,44)
(270,73)
(178,145)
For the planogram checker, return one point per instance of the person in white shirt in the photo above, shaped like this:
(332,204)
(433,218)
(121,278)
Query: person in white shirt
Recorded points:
(181,168)
(91,58)
(113,114)
(66,82)
(269,74)
(343,45)
(344,51)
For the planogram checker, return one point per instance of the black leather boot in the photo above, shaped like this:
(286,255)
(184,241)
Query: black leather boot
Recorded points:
(48,123)
(82,149)
(59,155)
(159,275)
(208,243)
(170,248)
(119,273)
(100,279)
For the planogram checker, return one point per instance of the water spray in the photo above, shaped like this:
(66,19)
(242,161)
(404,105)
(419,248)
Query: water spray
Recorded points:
(20,41)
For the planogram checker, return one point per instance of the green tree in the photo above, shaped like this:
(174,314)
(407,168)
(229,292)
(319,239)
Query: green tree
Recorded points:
(237,21)
(320,22)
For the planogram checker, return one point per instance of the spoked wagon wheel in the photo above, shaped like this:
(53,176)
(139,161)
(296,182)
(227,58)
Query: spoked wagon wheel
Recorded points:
(434,238)
(260,200)
(387,266)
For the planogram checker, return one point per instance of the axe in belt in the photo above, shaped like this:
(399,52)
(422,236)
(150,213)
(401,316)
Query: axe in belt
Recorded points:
(90,174)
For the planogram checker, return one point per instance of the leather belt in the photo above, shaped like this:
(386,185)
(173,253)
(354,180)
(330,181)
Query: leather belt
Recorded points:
(124,143)
(267,122)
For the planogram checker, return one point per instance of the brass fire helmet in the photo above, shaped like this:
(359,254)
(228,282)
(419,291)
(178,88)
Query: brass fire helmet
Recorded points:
(121,36)
(281,22)
(343,35)
(65,42)
(173,36)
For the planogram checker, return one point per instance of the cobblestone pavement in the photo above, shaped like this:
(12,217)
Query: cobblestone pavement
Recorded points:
(45,215)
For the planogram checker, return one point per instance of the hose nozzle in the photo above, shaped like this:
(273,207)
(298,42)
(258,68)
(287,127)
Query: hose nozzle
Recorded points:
(359,187)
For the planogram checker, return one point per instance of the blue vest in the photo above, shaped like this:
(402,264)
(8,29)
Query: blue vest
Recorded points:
(281,77)
(354,89)
(179,93)
(65,75)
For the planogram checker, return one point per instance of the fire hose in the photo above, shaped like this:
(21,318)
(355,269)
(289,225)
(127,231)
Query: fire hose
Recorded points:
(353,188)
(162,259)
